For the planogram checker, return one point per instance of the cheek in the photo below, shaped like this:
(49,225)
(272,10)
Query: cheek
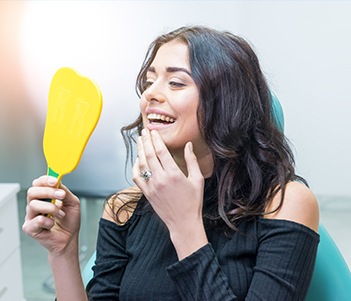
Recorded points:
(142,103)
(188,104)
(191,124)
(191,115)
(142,107)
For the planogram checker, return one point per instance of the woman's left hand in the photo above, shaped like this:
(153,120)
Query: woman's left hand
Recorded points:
(176,198)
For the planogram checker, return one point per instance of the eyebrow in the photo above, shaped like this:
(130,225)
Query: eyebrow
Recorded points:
(170,70)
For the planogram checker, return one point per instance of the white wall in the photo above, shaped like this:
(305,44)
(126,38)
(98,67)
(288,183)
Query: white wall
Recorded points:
(304,48)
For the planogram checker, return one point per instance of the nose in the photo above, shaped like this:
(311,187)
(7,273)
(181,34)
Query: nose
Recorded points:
(155,92)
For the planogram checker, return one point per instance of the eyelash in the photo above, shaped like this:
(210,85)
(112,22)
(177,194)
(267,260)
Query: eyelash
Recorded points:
(148,83)
(176,84)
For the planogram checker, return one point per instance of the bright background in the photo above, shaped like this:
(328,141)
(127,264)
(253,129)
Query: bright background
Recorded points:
(304,48)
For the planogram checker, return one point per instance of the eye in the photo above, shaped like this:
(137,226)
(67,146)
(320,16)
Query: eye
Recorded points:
(147,83)
(175,84)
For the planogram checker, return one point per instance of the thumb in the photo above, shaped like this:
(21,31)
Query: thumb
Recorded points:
(70,199)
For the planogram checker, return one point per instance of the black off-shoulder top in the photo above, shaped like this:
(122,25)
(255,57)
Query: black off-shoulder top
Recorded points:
(266,259)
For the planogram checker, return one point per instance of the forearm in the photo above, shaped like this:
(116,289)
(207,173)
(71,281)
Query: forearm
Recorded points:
(67,277)
(199,277)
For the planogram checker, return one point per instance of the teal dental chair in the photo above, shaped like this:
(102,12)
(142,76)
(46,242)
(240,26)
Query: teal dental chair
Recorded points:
(331,280)
(331,277)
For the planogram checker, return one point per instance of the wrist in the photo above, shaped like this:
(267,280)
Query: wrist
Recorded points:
(188,240)
(68,250)
(64,260)
(66,272)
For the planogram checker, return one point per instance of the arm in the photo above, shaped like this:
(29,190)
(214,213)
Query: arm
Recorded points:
(199,277)
(285,261)
(286,269)
(176,194)
(177,199)
(175,191)
(283,269)
(58,233)
(285,258)
(300,206)
(111,258)
(67,276)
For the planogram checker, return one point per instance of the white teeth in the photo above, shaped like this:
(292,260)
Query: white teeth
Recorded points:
(154,116)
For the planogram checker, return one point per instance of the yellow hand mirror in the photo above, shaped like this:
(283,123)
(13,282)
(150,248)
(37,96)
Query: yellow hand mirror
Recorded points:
(74,108)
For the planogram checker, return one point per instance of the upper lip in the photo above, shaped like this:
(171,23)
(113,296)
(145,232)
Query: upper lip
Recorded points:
(163,115)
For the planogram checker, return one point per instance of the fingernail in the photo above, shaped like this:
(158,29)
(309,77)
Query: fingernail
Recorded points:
(59,194)
(190,145)
(52,181)
(61,213)
(143,132)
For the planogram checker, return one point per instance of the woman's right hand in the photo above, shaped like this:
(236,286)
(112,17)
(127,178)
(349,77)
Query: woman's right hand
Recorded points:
(54,226)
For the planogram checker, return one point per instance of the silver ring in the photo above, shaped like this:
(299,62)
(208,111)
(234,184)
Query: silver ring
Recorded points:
(146,175)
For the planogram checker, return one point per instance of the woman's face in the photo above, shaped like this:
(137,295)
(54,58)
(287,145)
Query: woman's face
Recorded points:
(169,103)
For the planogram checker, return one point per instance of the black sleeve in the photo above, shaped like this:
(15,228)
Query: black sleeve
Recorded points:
(285,261)
(110,263)
(283,270)
(199,277)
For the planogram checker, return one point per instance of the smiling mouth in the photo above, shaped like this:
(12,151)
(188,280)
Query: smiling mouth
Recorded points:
(160,119)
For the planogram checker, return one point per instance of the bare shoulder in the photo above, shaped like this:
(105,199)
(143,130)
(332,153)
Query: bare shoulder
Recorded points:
(120,206)
(300,205)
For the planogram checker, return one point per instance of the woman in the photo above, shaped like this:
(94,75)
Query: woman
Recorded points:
(217,212)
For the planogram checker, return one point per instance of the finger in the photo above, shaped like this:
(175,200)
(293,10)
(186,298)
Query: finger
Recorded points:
(47,193)
(150,154)
(192,164)
(137,178)
(69,199)
(141,166)
(163,155)
(46,181)
(37,225)
(36,208)
(141,155)
(136,171)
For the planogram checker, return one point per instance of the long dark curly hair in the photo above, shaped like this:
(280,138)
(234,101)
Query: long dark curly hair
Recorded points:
(252,157)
